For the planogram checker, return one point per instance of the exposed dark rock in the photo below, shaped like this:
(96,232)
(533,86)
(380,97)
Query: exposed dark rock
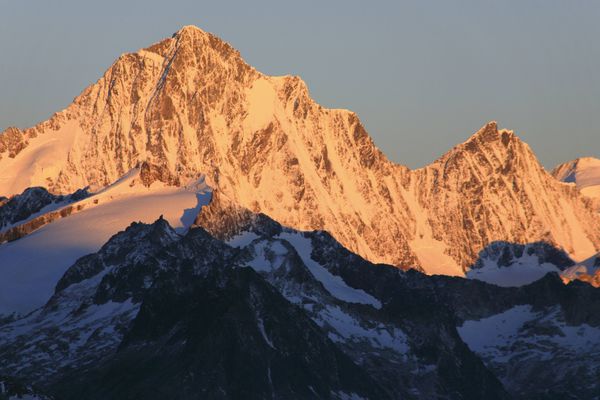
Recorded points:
(150,173)
(13,388)
(17,214)
(21,206)
(11,142)
(227,335)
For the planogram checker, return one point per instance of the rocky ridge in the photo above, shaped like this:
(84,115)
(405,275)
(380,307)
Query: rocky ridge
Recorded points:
(190,105)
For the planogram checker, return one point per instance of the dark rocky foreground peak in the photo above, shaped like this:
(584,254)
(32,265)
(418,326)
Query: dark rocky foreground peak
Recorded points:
(227,335)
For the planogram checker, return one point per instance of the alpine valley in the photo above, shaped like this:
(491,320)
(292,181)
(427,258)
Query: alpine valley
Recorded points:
(190,228)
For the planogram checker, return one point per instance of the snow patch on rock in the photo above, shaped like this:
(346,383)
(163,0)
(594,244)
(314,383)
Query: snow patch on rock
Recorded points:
(335,285)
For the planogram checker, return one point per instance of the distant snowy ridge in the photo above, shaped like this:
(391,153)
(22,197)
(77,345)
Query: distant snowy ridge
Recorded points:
(584,173)
(32,203)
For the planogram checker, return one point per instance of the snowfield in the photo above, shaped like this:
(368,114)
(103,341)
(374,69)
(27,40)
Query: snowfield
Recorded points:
(522,272)
(503,336)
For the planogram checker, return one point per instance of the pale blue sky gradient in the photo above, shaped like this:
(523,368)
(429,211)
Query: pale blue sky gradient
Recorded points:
(421,75)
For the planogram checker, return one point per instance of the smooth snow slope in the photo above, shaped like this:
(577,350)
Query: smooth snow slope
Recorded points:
(42,159)
(31,266)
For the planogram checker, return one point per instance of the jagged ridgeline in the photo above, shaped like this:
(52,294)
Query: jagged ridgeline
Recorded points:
(190,104)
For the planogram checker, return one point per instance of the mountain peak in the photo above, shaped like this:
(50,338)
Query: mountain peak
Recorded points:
(490,133)
(189,34)
(497,147)
(490,128)
(189,30)
(191,47)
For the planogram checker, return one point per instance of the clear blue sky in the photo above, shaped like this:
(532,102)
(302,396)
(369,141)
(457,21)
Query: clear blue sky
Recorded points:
(422,75)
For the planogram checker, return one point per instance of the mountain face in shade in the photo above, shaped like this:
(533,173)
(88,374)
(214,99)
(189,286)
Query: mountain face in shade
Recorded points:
(242,307)
(205,317)
(190,105)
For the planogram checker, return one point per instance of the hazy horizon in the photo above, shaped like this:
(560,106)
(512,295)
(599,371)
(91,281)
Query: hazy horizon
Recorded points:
(422,77)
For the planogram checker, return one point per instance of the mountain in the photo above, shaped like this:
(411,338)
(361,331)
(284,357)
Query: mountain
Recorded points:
(226,327)
(191,228)
(240,306)
(513,264)
(189,106)
(148,288)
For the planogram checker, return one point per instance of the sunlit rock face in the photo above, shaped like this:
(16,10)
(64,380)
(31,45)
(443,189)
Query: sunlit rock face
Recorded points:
(190,105)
